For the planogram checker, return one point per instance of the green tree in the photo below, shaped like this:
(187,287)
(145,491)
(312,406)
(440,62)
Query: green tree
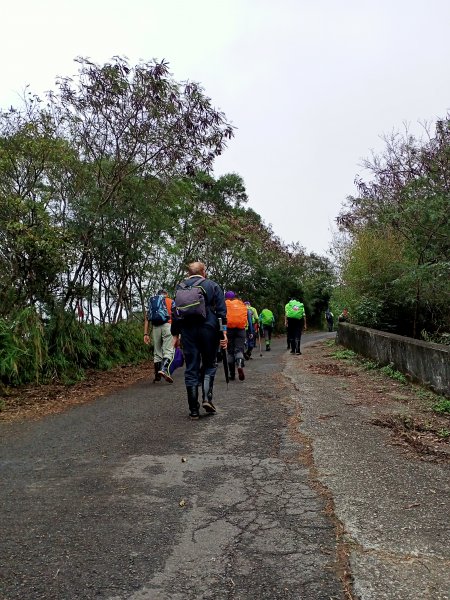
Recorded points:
(407,200)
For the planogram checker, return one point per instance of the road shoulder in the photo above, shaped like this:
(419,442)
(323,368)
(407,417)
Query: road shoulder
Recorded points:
(393,505)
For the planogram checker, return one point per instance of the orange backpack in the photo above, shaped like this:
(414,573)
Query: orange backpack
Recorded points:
(236,314)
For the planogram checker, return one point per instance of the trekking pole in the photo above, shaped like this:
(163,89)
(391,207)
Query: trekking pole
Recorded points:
(259,338)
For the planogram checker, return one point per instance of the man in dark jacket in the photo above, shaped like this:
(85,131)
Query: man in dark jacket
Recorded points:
(200,335)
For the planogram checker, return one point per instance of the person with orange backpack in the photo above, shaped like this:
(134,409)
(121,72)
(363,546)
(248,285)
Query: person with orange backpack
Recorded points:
(237,320)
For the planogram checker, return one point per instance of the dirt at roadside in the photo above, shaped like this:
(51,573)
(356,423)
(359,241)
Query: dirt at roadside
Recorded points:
(37,401)
(406,409)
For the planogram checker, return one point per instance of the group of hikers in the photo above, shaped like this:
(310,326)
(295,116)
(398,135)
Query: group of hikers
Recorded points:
(344,317)
(207,321)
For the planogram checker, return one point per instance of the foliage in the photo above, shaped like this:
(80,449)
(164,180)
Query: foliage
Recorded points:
(22,347)
(370,365)
(444,433)
(389,371)
(442,406)
(394,261)
(63,349)
(106,194)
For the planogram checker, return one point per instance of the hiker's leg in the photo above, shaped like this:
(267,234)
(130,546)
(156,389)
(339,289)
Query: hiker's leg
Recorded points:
(157,343)
(192,370)
(231,335)
(192,395)
(298,335)
(239,343)
(191,356)
(291,333)
(168,352)
(208,342)
(269,337)
(157,351)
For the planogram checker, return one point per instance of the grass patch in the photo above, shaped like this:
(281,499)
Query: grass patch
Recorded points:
(389,371)
(444,433)
(370,365)
(344,354)
(442,406)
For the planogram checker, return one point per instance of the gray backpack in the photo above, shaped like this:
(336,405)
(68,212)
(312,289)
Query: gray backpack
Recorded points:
(190,301)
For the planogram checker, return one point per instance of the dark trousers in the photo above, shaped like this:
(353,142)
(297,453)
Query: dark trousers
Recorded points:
(236,344)
(200,345)
(294,333)
(267,329)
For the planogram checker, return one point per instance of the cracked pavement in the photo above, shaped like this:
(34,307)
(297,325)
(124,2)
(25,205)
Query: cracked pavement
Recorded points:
(125,498)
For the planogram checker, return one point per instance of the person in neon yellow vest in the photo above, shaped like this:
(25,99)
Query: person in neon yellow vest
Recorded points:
(295,321)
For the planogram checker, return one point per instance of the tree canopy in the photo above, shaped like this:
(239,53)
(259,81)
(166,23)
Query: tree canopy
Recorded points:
(107,193)
(396,267)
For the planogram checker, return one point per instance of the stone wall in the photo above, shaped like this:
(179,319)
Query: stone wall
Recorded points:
(423,362)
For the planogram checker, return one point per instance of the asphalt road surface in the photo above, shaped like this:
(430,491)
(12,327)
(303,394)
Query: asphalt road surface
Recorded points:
(126,498)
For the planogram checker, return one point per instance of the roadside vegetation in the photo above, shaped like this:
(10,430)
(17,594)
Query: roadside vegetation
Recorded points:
(393,247)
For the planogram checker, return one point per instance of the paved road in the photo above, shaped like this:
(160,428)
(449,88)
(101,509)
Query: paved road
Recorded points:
(126,498)
(283,494)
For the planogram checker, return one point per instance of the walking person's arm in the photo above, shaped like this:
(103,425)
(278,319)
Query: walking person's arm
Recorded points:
(146,330)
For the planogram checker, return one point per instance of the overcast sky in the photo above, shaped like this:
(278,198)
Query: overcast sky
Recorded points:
(310,85)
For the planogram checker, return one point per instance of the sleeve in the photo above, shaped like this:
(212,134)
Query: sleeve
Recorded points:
(251,329)
(175,328)
(219,303)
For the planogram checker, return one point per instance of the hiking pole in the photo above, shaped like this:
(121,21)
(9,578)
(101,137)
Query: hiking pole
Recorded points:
(259,338)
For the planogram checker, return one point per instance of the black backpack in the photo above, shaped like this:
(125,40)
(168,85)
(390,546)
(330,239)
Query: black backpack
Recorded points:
(190,300)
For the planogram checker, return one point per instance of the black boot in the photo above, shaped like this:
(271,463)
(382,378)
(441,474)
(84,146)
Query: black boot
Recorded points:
(157,366)
(292,346)
(192,394)
(240,368)
(297,347)
(208,383)
(164,370)
(232,371)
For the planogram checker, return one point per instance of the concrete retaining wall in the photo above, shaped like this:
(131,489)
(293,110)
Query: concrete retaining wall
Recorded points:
(424,362)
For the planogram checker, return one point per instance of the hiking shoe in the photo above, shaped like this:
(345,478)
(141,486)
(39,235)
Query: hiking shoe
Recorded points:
(164,372)
(208,406)
(298,352)
(241,373)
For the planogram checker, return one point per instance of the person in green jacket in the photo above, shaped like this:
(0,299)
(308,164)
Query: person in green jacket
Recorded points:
(252,332)
(295,321)
(267,322)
